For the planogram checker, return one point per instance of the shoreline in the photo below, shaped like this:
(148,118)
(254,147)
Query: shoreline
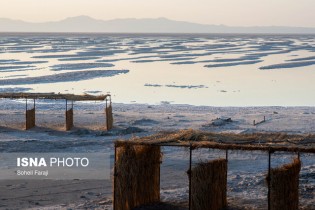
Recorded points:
(154,118)
(89,135)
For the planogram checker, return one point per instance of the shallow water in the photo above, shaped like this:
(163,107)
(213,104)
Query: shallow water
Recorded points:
(217,70)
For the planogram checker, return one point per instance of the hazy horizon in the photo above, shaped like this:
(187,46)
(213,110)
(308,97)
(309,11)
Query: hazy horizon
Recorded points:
(65,18)
(225,12)
(141,25)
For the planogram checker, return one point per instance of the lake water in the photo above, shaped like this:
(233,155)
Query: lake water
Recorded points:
(215,70)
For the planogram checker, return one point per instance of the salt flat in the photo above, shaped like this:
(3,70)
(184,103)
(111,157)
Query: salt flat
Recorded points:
(247,170)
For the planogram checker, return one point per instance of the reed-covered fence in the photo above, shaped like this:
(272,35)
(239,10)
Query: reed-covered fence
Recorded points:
(207,181)
(30,113)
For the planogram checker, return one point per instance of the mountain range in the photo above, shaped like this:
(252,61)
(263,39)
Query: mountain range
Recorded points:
(87,24)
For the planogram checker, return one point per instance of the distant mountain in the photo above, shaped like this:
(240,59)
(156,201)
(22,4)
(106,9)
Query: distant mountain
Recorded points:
(159,25)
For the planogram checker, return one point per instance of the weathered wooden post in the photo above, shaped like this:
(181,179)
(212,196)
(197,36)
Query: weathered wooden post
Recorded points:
(69,116)
(29,117)
(109,114)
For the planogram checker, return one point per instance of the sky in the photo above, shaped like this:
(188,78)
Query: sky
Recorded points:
(227,12)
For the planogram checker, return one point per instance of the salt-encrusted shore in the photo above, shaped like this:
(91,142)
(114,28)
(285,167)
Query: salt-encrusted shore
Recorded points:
(246,170)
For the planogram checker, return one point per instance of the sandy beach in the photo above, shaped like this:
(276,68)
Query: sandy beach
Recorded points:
(245,178)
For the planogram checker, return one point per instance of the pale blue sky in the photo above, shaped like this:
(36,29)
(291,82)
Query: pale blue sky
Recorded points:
(228,12)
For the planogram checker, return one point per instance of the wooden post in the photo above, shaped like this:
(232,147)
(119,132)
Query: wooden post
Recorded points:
(109,114)
(29,117)
(69,116)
